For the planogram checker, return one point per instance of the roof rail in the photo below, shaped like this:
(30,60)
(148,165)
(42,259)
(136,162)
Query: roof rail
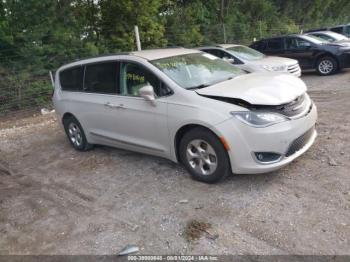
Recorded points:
(102,55)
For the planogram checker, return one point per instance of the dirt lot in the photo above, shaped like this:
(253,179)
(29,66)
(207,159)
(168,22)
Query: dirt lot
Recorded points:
(55,200)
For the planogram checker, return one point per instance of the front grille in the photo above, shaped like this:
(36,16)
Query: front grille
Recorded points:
(291,109)
(293,68)
(300,142)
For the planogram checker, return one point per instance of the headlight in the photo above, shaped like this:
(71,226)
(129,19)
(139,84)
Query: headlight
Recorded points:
(259,119)
(275,68)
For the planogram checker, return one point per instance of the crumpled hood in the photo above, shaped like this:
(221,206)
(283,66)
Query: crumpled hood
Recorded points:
(274,61)
(259,88)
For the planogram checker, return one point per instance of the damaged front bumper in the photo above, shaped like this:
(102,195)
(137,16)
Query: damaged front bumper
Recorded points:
(288,139)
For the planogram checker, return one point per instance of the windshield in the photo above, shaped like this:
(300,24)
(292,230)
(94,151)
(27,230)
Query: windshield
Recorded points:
(245,53)
(196,70)
(315,39)
(336,36)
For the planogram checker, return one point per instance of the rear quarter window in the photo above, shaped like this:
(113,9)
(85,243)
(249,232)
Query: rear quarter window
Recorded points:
(209,51)
(217,53)
(71,79)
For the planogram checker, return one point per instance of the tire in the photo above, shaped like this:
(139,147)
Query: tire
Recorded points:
(75,134)
(326,65)
(204,156)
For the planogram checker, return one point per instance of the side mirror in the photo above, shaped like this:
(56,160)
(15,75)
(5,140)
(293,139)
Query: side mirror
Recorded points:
(228,59)
(147,92)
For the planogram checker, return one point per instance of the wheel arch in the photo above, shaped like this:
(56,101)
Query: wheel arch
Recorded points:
(183,130)
(66,116)
(325,55)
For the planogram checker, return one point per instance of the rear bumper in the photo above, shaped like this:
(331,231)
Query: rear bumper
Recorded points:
(244,141)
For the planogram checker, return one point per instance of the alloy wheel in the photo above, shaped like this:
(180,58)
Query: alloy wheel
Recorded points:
(325,66)
(201,157)
(75,134)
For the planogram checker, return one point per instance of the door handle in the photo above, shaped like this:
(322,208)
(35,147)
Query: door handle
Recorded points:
(120,106)
(110,105)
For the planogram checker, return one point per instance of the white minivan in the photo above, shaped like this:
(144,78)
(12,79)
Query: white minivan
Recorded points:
(187,106)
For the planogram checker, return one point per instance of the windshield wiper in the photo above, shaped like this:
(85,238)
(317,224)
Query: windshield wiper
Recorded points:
(198,87)
(223,80)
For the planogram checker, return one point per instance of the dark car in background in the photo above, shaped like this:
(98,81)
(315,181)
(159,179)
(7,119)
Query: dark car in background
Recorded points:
(340,29)
(311,52)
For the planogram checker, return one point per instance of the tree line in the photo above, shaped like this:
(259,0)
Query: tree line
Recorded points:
(40,35)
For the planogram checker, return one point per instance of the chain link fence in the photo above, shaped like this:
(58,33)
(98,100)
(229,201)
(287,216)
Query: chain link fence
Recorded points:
(19,93)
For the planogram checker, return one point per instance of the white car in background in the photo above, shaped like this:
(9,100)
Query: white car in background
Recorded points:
(331,36)
(251,60)
(186,106)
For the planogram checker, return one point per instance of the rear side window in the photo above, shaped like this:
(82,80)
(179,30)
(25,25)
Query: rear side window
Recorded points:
(211,51)
(101,78)
(218,53)
(72,79)
(275,44)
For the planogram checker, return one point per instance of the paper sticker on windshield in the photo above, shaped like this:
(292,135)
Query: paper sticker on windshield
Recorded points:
(170,64)
(210,56)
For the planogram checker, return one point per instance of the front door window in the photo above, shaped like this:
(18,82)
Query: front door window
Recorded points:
(297,43)
(133,77)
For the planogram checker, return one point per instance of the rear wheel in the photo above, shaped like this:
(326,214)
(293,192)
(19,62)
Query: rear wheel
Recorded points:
(204,156)
(326,66)
(75,134)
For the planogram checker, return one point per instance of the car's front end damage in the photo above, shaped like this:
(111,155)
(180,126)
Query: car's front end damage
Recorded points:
(264,134)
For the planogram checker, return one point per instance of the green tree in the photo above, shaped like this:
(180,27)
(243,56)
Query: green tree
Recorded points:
(118,19)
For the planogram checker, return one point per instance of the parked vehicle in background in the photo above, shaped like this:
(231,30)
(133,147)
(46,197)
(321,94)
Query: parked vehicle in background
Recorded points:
(340,29)
(330,36)
(187,106)
(251,60)
(311,52)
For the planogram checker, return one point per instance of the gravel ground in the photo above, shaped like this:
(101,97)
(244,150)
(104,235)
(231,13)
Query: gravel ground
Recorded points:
(54,200)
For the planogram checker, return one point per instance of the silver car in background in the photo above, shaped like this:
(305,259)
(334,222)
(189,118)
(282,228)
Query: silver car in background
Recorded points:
(186,106)
(330,36)
(251,60)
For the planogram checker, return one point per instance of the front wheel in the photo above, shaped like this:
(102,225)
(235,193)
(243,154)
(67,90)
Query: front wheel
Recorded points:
(326,66)
(204,156)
